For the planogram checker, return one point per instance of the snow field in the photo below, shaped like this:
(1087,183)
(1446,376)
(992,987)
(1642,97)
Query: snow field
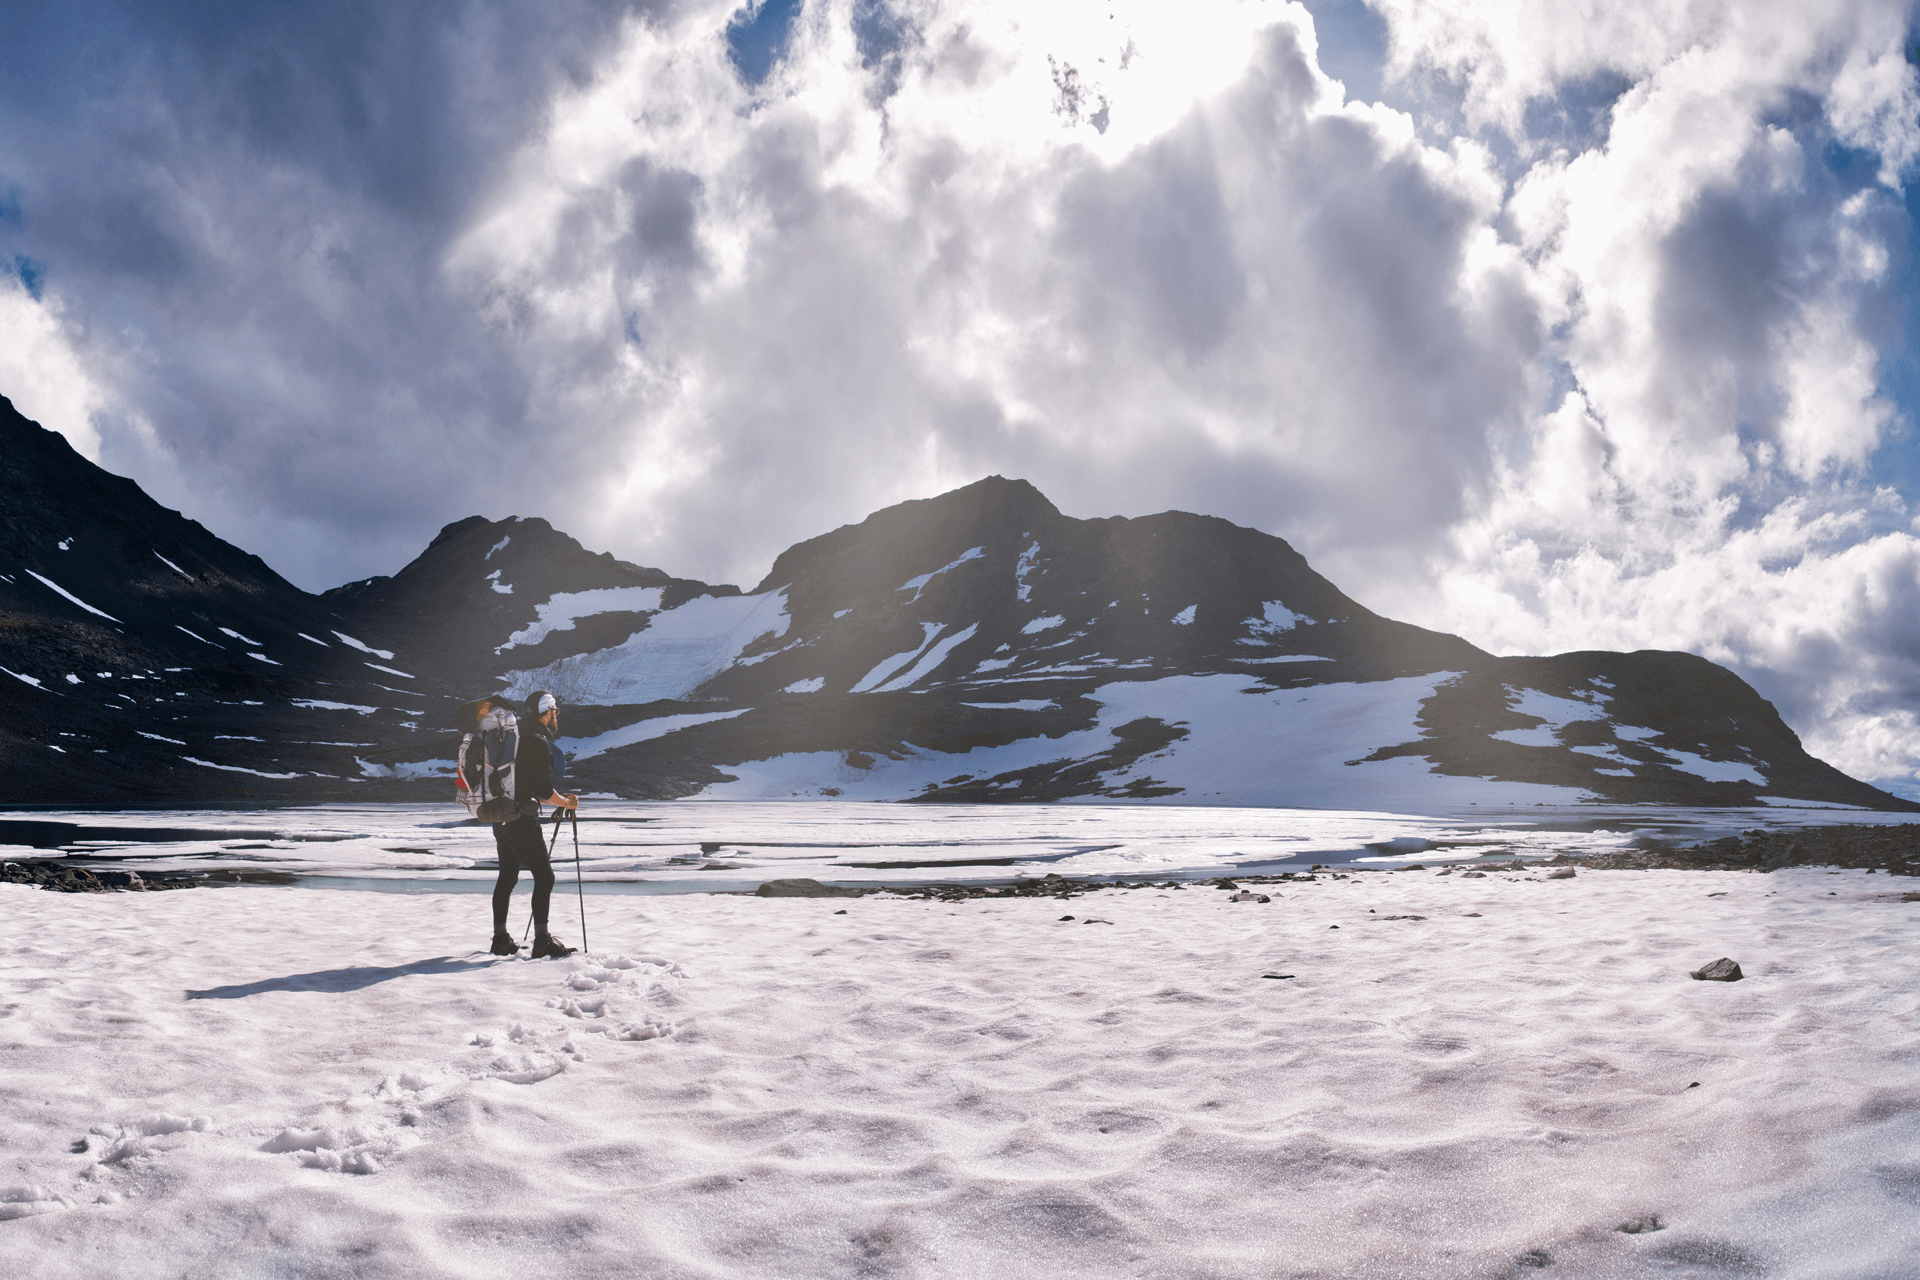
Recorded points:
(277,1081)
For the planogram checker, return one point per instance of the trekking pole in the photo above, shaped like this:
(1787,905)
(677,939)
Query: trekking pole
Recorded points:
(558,814)
(574,815)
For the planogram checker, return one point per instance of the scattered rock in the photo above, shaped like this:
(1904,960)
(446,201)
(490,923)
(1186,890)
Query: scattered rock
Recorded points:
(1447,872)
(1910,897)
(1403,917)
(804,889)
(1564,873)
(842,911)
(1473,875)
(1534,1258)
(1066,917)
(58,877)
(1471,915)
(1641,1225)
(1721,970)
(1276,975)
(1248,895)
(1333,926)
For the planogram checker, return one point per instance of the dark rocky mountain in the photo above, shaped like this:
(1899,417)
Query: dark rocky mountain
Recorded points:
(978,646)
(143,658)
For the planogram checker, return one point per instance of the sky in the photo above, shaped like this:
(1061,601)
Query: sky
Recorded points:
(1555,326)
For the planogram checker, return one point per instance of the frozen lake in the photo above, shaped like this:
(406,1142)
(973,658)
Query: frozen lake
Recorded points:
(697,846)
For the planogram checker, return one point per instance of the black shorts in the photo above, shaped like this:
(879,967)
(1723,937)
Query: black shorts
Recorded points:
(520,844)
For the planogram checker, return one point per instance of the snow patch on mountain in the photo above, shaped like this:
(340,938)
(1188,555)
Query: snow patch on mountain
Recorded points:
(1556,713)
(1275,619)
(1285,657)
(1028,561)
(57,589)
(1038,625)
(933,658)
(681,649)
(1185,617)
(1290,747)
(1713,770)
(363,647)
(893,662)
(919,584)
(641,731)
(561,611)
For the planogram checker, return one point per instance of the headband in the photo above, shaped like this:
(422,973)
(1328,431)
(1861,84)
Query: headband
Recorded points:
(547,703)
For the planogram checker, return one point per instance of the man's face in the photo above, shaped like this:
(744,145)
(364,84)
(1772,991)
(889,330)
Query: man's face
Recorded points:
(551,718)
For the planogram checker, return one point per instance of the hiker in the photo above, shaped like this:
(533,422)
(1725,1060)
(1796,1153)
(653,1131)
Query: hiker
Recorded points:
(519,842)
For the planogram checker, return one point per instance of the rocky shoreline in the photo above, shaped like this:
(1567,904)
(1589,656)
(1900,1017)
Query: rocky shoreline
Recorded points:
(1894,850)
(59,877)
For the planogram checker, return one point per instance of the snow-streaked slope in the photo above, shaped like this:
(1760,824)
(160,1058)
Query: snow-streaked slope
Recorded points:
(1242,745)
(680,650)
(1464,1078)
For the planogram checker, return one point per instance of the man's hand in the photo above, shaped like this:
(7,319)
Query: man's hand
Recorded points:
(562,801)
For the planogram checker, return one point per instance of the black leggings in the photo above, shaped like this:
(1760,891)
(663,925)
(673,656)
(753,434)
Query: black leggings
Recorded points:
(521,847)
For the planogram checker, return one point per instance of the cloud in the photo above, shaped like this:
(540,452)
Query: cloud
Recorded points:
(1571,329)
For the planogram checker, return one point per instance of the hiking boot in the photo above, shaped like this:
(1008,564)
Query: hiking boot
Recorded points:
(503,945)
(547,946)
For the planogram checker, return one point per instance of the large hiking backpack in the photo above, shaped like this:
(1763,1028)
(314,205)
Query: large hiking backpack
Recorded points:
(485,777)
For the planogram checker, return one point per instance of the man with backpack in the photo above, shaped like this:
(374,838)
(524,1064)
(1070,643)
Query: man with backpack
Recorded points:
(519,841)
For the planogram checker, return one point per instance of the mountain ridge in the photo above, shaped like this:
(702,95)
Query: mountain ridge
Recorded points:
(978,645)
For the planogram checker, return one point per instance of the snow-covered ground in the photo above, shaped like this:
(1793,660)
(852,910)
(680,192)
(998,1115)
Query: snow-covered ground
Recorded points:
(253,1081)
(681,846)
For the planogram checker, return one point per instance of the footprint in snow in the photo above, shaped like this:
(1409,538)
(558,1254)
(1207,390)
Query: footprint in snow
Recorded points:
(605,992)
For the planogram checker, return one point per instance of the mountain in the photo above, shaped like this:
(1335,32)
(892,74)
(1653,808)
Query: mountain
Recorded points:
(143,658)
(977,646)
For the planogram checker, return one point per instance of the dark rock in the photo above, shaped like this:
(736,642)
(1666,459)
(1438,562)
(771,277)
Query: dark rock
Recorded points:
(804,889)
(1276,975)
(1564,873)
(1721,970)
(1066,917)
(1641,1225)
(1473,875)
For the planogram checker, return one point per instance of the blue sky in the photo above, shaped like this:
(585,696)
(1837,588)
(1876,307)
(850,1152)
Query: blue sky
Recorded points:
(1582,328)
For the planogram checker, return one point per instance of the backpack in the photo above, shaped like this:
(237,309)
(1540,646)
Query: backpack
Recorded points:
(485,776)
